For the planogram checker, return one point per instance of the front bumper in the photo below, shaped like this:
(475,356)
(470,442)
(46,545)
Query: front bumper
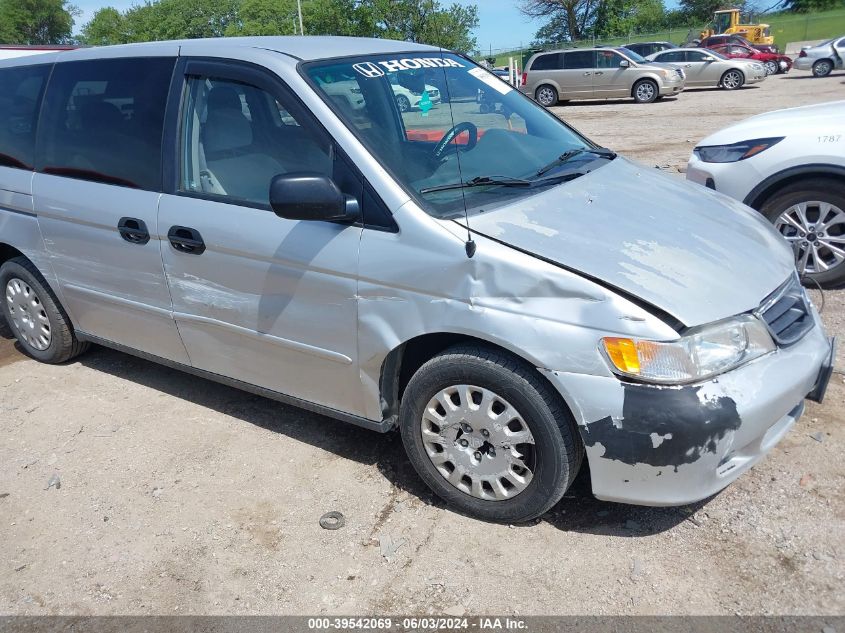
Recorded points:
(735,180)
(664,446)
(672,87)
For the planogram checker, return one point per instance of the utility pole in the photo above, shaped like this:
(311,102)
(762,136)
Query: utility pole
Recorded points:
(299,9)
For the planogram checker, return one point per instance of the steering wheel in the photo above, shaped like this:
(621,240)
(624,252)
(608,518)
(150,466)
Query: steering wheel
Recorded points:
(464,126)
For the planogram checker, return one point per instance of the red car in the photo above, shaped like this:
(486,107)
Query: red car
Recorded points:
(774,62)
(734,38)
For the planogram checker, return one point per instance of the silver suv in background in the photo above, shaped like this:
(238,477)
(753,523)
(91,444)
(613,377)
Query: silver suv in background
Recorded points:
(597,73)
(704,68)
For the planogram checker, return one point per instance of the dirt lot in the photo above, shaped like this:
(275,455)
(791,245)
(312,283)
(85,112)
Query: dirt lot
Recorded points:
(181,496)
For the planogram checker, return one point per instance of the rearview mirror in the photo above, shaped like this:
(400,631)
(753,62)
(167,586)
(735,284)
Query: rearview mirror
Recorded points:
(624,63)
(311,196)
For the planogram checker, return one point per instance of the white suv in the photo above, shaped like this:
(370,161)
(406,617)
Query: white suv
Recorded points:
(790,166)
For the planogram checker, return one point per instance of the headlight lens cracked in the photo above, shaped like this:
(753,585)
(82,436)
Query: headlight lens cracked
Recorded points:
(703,353)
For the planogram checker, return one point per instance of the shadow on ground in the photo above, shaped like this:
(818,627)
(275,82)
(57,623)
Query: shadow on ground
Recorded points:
(578,511)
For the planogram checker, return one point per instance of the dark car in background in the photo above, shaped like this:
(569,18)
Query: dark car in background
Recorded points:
(645,49)
(733,38)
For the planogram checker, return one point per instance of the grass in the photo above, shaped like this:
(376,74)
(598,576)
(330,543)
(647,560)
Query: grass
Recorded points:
(785,27)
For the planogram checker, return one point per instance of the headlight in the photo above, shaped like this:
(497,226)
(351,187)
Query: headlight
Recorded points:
(736,151)
(703,353)
(757,66)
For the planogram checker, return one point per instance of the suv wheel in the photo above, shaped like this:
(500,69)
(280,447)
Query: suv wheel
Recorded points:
(645,91)
(34,314)
(772,67)
(733,79)
(488,435)
(546,96)
(822,68)
(810,214)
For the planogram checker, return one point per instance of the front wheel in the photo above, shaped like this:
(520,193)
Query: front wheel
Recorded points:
(822,68)
(771,67)
(732,80)
(645,91)
(488,435)
(34,315)
(810,214)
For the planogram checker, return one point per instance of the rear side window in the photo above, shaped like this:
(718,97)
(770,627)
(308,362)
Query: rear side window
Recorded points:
(547,62)
(696,56)
(103,121)
(21,91)
(579,59)
(674,56)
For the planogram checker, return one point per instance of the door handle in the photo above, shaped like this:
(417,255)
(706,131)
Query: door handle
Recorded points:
(186,240)
(688,66)
(598,73)
(587,74)
(133,230)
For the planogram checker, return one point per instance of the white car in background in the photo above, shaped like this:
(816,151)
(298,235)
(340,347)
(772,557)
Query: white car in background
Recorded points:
(790,166)
(407,99)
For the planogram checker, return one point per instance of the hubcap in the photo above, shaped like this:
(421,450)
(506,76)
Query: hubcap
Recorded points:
(28,315)
(822,68)
(645,92)
(771,68)
(816,231)
(546,97)
(732,80)
(478,442)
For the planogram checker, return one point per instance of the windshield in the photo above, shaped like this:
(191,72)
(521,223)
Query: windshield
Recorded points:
(632,55)
(450,132)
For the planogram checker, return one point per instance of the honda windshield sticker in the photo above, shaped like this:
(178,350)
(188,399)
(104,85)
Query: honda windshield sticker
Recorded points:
(371,70)
(491,80)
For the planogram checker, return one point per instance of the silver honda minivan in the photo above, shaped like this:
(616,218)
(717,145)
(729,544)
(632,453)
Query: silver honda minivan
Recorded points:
(510,296)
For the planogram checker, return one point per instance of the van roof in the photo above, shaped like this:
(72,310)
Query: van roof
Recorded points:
(307,48)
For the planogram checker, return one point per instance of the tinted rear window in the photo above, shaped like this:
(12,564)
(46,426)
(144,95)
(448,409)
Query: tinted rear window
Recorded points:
(21,91)
(103,121)
(674,56)
(579,59)
(547,62)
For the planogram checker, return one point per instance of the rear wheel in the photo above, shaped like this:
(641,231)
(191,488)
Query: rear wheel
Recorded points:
(34,314)
(822,68)
(403,104)
(546,96)
(732,80)
(645,91)
(810,214)
(488,435)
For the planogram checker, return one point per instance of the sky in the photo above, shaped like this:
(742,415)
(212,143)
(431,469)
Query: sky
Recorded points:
(501,25)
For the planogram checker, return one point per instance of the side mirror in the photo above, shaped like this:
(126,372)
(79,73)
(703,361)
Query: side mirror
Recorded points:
(311,196)
(624,63)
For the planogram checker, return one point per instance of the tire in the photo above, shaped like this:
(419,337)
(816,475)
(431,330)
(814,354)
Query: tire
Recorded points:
(822,68)
(39,323)
(732,79)
(484,108)
(645,91)
(403,103)
(552,454)
(772,67)
(546,96)
(820,200)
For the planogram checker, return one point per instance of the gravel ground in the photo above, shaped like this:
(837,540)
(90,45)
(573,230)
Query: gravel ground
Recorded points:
(182,496)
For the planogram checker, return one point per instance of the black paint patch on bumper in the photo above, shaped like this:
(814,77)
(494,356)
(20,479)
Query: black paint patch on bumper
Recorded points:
(695,426)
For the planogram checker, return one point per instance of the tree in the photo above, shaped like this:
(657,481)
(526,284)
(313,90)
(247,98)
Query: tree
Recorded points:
(107,26)
(567,19)
(424,21)
(265,17)
(36,21)
(806,6)
(616,18)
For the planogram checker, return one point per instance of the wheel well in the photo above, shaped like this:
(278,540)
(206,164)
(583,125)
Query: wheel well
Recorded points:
(404,361)
(7,252)
(762,196)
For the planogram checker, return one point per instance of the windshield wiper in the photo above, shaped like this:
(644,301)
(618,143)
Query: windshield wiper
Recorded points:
(505,181)
(481,181)
(572,153)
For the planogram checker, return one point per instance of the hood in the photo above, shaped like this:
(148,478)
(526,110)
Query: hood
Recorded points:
(782,122)
(695,254)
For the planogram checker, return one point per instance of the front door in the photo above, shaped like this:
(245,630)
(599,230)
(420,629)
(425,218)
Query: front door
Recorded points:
(258,298)
(610,80)
(701,69)
(96,195)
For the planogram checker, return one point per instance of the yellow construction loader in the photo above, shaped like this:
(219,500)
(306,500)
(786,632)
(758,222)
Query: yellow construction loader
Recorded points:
(726,22)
